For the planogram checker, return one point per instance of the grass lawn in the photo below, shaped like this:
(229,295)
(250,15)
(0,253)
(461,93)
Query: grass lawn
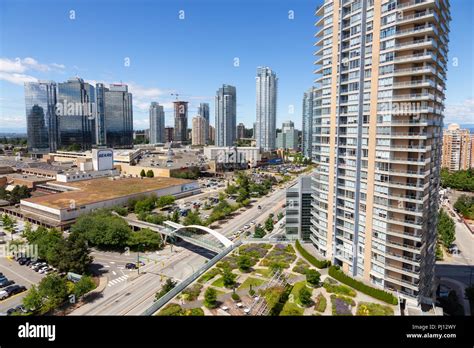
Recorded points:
(209,275)
(218,282)
(251,281)
(340,289)
(369,308)
(292,306)
(264,272)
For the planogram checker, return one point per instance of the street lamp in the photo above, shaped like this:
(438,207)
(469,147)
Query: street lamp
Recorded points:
(138,258)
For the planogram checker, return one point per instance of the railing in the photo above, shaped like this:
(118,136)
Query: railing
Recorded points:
(416,15)
(181,286)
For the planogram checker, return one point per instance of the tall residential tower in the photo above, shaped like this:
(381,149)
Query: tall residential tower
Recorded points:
(266,84)
(378,117)
(226,116)
(157,123)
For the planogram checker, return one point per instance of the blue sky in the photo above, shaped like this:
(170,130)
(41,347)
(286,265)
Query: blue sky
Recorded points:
(191,56)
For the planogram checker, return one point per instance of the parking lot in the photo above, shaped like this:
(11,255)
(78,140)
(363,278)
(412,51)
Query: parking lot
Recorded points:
(21,275)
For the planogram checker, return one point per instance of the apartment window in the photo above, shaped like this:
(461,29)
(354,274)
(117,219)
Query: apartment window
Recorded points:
(387,32)
(390,6)
(355,41)
(386,69)
(367,73)
(387,57)
(385,94)
(355,29)
(381,189)
(370,25)
(368,38)
(354,64)
(370,13)
(385,45)
(388,19)
(382,154)
(354,53)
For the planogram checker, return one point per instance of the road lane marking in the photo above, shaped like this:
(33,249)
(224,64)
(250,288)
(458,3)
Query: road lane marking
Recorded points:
(114,273)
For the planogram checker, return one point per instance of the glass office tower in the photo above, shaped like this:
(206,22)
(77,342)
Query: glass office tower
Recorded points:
(118,117)
(76,100)
(41,118)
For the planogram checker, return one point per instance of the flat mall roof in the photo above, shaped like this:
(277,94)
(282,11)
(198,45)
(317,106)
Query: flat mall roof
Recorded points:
(102,189)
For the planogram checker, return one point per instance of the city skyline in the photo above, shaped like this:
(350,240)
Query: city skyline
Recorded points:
(154,80)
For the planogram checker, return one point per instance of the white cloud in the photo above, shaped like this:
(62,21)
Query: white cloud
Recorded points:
(462,113)
(18,79)
(13,121)
(13,70)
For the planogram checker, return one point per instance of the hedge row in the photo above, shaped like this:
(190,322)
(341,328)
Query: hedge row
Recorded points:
(379,294)
(311,259)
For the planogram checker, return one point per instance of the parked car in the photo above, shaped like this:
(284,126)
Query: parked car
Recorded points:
(43,269)
(3,295)
(17,309)
(130,266)
(23,260)
(14,289)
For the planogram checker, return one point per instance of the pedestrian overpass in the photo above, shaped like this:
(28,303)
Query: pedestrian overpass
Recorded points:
(187,234)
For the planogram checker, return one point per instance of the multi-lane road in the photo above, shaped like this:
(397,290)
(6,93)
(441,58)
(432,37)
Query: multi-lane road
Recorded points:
(128,293)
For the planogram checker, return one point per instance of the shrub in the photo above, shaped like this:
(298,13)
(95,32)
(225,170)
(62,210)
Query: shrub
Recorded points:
(368,308)
(172,309)
(313,277)
(379,294)
(339,289)
(195,312)
(310,258)
(305,296)
(192,293)
(320,303)
(341,305)
(210,298)
(209,275)
(235,297)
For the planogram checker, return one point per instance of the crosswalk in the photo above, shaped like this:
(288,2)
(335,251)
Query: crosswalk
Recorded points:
(117,280)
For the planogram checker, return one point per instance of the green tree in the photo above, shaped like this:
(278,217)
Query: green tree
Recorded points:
(259,232)
(192,218)
(102,229)
(269,224)
(244,262)
(18,193)
(175,216)
(313,277)
(142,173)
(229,278)
(83,286)
(147,238)
(74,254)
(167,287)
(280,216)
(210,298)
(146,204)
(164,201)
(33,299)
(305,296)
(465,206)
(446,229)
(150,174)
(54,290)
